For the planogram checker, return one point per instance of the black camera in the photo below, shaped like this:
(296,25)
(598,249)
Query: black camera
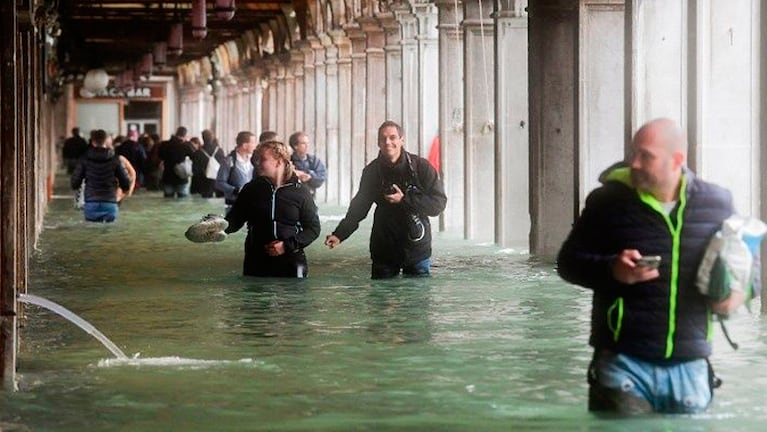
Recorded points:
(389,190)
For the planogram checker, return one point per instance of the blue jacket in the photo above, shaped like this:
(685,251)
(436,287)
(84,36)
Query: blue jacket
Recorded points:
(665,319)
(231,180)
(313,166)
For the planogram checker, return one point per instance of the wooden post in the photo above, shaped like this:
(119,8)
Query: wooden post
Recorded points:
(8,190)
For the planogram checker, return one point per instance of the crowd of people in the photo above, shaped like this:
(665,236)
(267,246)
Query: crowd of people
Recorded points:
(270,187)
(637,245)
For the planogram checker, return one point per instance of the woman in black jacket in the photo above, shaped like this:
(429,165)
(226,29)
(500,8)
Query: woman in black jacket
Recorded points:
(281,216)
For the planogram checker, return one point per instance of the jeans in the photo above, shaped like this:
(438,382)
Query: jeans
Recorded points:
(627,384)
(170,190)
(100,211)
(382,270)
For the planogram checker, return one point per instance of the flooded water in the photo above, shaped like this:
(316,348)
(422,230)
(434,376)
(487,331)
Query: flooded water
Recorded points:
(492,342)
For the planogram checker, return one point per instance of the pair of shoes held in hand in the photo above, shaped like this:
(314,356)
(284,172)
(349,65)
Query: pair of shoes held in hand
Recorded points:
(209,229)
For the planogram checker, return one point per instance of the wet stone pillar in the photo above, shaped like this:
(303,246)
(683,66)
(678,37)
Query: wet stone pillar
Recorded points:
(723,123)
(290,96)
(343,170)
(309,93)
(282,97)
(297,64)
(272,69)
(375,112)
(451,111)
(393,54)
(410,76)
(332,118)
(359,102)
(9,132)
(512,213)
(601,96)
(479,133)
(553,132)
(428,66)
(762,101)
(257,98)
(656,58)
(320,105)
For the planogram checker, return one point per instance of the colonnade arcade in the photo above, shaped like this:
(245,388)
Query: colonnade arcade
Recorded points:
(529,102)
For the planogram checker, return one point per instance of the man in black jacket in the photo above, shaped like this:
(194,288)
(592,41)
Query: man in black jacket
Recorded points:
(173,152)
(650,326)
(406,190)
(102,171)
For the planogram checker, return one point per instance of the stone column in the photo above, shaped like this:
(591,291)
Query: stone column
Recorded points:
(479,125)
(724,123)
(512,211)
(451,112)
(428,87)
(410,76)
(272,69)
(393,54)
(309,104)
(762,101)
(331,118)
(553,132)
(9,204)
(320,104)
(297,60)
(343,169)
(359,103)
(601,94)
(281,124)
(656,62)
(375,112)
(290,96)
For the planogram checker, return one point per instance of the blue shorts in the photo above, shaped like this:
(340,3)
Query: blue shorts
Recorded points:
(667,388)
(100,211)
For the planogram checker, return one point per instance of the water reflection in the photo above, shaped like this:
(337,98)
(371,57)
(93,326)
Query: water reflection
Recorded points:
(398,311)
(493,342)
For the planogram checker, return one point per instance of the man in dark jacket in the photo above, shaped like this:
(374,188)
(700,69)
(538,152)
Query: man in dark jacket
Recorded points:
(74,147)
(650,326)
(173,152)
(102,171)
(309,168)
(281,216)
(406,191)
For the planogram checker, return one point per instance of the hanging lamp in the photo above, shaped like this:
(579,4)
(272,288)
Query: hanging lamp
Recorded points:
(199,19)
(225,9)
(160,53)
(176,39)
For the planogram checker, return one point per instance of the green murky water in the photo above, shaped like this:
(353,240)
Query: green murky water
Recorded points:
(492,342)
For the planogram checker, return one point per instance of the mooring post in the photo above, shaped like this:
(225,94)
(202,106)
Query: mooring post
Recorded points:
(9,129)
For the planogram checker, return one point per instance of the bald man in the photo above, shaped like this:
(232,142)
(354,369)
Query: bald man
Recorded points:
(638,244)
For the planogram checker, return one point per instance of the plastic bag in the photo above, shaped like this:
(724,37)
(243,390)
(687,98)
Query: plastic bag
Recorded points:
(732,260)
(183,169)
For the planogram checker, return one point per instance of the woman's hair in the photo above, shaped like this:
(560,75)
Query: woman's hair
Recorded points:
(280,151)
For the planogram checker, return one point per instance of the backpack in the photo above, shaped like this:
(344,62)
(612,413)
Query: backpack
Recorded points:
(211,170)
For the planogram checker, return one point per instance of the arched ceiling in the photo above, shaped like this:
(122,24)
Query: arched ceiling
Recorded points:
(114,34)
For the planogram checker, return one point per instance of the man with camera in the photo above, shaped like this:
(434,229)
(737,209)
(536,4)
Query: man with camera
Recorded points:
(406,190)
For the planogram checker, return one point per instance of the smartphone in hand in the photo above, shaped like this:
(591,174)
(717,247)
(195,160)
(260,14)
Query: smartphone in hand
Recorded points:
(649,261)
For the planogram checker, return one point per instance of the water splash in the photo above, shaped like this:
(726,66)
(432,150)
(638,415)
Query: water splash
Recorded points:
(180,362)
(72,317)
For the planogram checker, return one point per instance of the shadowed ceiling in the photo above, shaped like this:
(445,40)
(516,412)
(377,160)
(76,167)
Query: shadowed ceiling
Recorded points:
(114,34)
